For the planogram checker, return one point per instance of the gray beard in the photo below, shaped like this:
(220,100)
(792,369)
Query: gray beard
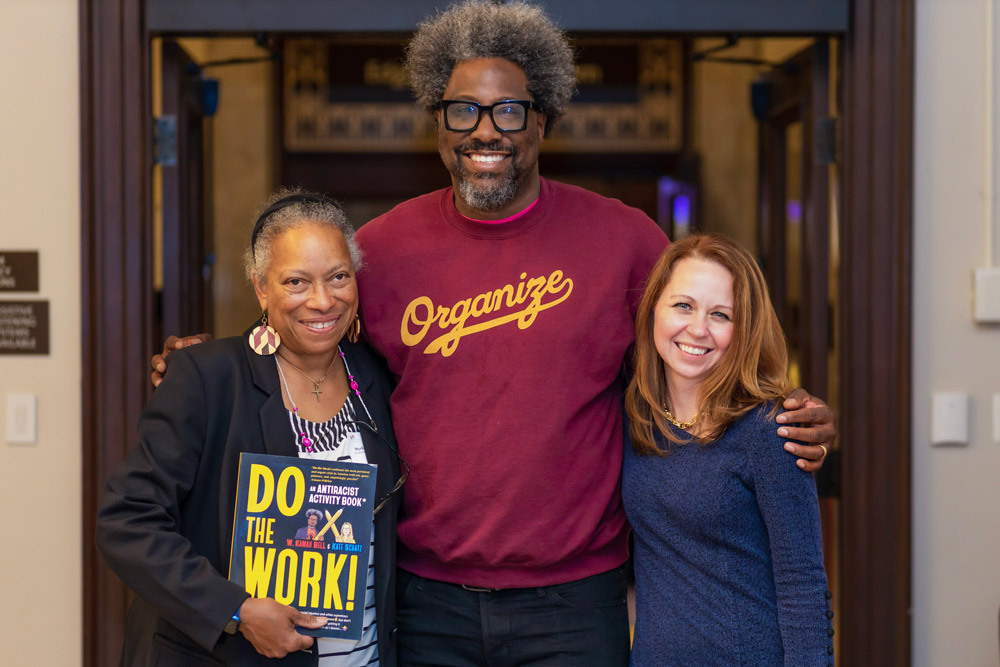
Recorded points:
(489,193)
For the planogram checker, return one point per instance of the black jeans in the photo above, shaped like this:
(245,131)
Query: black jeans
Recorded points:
(582,622)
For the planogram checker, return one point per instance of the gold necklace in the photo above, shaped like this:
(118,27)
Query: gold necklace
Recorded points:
(679,424)
(316,390)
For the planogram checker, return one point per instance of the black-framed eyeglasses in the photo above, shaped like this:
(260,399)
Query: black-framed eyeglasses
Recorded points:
(464,116)
(404,469)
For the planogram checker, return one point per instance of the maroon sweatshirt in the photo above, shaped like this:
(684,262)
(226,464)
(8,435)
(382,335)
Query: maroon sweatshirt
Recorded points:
(507,341)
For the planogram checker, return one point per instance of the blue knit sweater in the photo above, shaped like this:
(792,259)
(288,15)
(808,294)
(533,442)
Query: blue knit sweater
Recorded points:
(728,553)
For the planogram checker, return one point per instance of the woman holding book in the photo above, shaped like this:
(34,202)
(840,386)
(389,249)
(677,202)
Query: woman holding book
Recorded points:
(728,553)
(296,384)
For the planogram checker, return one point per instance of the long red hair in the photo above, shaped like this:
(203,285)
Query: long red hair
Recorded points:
(751,372)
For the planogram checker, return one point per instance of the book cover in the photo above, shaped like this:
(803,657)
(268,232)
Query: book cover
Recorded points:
(302,535)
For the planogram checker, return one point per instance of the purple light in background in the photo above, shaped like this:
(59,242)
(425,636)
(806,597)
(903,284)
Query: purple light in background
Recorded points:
(793,210)
(682,210)
(675,207)
(668,186)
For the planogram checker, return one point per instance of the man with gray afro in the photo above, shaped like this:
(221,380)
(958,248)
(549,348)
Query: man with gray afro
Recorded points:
(517,32)
(504,306)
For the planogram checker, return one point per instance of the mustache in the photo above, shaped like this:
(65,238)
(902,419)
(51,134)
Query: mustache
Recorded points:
(495,146)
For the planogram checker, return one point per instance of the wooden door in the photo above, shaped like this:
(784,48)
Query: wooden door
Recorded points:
(184,301)
(796,150)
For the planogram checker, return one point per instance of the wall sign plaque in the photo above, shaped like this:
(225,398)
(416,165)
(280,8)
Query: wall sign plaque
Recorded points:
(24,327)
(18,270)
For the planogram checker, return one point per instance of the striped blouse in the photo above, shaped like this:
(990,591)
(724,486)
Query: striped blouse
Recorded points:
(340,440)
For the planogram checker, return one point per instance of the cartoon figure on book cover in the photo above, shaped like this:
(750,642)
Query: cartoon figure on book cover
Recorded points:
(346,533)
(309,532)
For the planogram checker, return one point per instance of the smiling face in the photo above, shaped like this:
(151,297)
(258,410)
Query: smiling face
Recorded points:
(693,322)
(310,292)
(495,174)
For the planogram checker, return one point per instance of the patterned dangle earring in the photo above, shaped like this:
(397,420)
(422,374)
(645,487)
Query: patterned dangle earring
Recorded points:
(354,333)
(263,339)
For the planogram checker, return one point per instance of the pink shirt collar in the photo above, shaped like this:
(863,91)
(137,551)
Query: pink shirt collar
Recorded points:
(503,220)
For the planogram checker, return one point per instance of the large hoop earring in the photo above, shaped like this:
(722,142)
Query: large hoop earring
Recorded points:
(263,339)
(354,333)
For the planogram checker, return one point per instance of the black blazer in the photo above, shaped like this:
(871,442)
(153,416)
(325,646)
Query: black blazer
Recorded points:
(166,519)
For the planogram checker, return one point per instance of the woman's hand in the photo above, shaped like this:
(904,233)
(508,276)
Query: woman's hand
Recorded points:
(159,361)
(270,627)
(820,429)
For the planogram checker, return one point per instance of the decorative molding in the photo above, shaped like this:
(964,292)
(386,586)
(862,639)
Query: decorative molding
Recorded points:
(350,96)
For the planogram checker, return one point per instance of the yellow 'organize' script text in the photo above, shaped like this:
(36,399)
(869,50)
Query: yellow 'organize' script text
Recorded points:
(461,319)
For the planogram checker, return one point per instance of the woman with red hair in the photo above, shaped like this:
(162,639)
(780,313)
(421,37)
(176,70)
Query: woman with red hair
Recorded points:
(728,548)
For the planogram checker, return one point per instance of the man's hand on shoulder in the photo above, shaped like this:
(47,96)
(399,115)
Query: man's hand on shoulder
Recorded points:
(159,361)
(819,428)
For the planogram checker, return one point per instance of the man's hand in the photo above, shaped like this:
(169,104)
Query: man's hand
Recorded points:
(821,428)
(159,361)
(270,627)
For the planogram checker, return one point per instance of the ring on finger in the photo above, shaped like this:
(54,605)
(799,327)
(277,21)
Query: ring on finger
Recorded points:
(825,452)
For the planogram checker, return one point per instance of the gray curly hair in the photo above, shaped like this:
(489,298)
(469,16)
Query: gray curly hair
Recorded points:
(257,256)
(516,31)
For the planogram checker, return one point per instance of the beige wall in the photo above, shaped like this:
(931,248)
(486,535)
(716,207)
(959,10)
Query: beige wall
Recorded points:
(956,491)
(40,561)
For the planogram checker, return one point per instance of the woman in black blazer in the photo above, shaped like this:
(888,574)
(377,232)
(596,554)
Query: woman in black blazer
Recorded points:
(166,519)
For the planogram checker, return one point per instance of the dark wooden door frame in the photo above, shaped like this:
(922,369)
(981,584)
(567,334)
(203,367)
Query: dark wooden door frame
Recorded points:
(875,332)
(117,284)
(876,239)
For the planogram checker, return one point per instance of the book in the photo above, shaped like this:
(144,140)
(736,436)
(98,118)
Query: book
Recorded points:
(302,536)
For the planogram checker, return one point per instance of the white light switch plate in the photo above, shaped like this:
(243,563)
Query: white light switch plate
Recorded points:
(22,419)
(986,299)
(950,418)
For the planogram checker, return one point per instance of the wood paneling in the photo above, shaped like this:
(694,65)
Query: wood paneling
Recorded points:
(116,281)
(876,353)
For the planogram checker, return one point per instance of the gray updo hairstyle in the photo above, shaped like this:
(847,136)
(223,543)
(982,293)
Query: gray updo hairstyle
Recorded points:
(515,31)
(303,207)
